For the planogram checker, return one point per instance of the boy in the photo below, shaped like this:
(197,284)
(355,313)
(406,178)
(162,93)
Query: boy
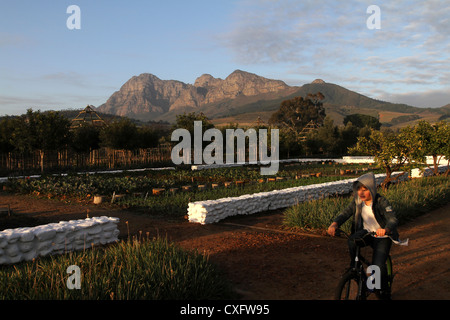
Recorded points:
(371,212)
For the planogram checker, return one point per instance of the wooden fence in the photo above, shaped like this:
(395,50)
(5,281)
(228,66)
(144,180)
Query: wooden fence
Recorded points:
(13,162)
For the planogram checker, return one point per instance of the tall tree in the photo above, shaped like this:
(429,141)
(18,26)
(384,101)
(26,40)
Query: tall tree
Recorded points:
(119,134)
(435,141)
(85,138)
(44,132)
(296,113)
(349,135)
(6,145)
(363,120)
(186,121)
(6,129)
(147,137)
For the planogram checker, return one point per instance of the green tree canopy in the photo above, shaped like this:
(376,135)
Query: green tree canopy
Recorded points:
(120,134)
(85,138)
(147,137)
(297,112)
(392,151)
(363,120)
(435,141)
(6,130)
(186,121)
(40,131)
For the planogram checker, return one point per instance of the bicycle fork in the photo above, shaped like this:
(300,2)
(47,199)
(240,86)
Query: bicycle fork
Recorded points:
(361,278)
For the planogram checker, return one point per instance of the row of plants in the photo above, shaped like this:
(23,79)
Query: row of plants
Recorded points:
(86,185)
(176,204)
(409,200)
(137,269)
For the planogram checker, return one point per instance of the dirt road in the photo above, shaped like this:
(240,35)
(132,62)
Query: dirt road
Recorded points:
(263,259)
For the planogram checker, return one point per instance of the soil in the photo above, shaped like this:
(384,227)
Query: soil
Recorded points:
(263,259)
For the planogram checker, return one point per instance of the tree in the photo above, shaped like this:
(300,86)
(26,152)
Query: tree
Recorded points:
(349,136)
(6,130)
(434,140)
(290,146)
(186,121)
(147,137)
(41,131)
(85,138)
(325,139)
(6,146)
(363,120)
(119,134)
(296,113)
(392,151)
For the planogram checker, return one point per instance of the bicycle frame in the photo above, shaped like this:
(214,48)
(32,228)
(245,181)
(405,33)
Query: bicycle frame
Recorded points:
(359,270)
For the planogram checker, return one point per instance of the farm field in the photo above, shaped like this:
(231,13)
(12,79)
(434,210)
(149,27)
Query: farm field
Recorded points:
(259,254)
(168,192)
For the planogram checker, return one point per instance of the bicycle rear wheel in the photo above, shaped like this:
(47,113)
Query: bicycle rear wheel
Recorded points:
(390,272)
(349,288)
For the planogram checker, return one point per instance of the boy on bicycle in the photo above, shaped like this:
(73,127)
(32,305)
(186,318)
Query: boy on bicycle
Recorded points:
(371,212)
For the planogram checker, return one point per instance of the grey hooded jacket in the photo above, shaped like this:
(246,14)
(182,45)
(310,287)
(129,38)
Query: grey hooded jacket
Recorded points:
(383,212)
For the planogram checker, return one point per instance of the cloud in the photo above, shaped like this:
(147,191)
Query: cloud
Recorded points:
(425,99)
(284,31)
(60,90)
(18,104)
(71,78)
(410,53)
(14,40)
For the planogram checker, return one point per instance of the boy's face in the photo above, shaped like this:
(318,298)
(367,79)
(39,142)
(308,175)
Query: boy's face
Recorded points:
(364,193)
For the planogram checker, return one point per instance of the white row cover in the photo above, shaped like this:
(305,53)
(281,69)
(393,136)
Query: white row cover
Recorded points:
(211,211)
(55,238)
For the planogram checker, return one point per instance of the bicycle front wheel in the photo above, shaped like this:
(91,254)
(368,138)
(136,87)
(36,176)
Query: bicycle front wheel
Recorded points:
(350,288)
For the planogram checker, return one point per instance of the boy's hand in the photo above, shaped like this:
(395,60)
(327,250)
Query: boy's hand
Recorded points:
(332,229)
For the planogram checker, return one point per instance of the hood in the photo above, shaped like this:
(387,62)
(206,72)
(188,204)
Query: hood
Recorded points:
(368,180)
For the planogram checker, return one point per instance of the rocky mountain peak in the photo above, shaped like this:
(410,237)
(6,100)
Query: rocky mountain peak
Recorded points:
(206,80)
(146,96)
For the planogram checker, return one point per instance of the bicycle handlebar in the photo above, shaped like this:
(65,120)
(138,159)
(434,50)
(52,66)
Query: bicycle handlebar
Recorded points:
(339,231)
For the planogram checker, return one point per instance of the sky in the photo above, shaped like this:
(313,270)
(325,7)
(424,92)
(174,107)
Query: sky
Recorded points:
(45,65)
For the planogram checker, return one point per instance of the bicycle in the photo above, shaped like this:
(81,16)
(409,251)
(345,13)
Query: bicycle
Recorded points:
(353,283)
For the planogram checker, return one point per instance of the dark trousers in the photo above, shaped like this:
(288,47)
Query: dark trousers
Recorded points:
(380,246)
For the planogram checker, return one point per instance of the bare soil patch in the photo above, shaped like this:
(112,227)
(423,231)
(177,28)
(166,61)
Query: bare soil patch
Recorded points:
(262,258)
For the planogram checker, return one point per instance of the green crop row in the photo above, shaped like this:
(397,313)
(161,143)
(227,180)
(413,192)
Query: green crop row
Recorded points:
(129,270)
(409,200)
(136,188)
(82,185)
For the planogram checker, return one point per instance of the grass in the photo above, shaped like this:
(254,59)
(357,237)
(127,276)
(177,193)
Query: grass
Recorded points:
(129,270)
(409,200)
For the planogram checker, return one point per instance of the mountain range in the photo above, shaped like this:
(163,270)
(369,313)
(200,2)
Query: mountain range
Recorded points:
(245,98)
